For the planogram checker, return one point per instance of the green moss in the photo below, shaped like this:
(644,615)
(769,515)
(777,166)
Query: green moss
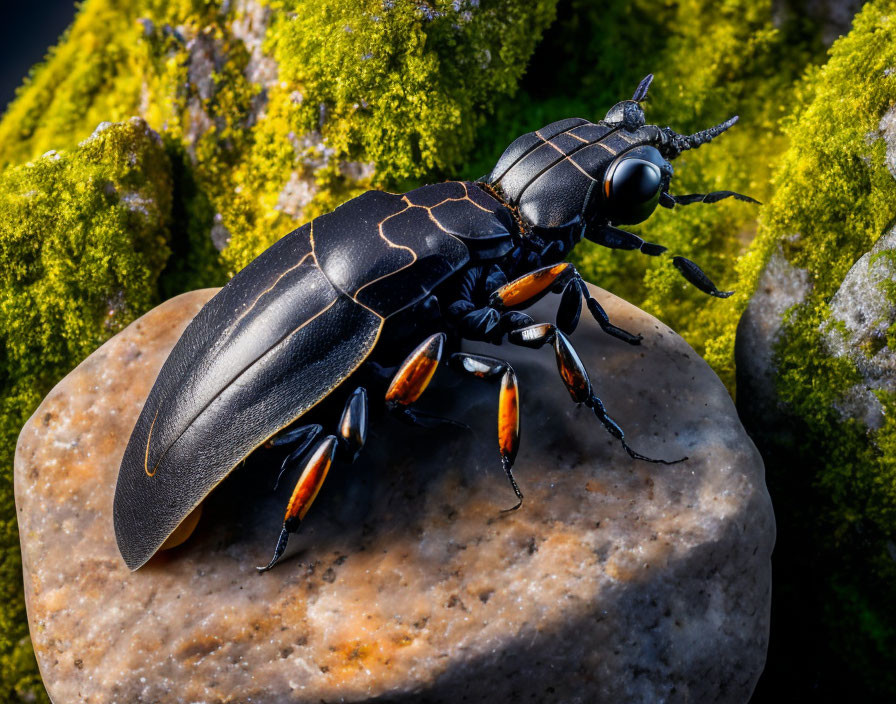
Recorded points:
(401,85)
(83,237)
(834,198)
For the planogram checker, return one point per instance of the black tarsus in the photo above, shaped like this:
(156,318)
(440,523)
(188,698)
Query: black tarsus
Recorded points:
(516,490)
(278,551)
(596,405)
(695,275)
(600,315)
(711,197)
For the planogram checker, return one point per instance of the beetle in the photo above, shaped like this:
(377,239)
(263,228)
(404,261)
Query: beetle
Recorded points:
(376,291)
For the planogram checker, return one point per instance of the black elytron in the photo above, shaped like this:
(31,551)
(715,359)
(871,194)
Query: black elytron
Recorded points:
(375,291)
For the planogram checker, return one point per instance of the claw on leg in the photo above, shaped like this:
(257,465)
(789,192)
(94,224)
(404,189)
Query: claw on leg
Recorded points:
(574,376)
(304,493)
(529,288)
(697,277)
(596,405)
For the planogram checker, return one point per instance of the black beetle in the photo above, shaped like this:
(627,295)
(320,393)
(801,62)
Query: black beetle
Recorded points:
(354,292)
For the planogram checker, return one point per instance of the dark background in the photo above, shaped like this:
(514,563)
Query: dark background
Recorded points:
(28,29)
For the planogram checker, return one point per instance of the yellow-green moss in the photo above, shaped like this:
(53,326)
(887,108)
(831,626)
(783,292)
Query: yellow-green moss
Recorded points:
(402,85)
(834,198)
(83,237)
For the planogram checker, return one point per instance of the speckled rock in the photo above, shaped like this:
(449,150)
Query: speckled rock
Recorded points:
(617,580)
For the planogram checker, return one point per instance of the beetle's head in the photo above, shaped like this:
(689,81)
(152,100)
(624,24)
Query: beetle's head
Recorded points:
(572,178)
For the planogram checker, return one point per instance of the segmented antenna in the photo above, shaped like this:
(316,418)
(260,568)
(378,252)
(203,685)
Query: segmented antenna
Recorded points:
(671,144)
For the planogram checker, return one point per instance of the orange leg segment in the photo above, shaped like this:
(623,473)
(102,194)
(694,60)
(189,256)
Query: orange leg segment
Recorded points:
(509,417)
(414,375)
(509,429)
(483,367)
(529,288)
(306,490)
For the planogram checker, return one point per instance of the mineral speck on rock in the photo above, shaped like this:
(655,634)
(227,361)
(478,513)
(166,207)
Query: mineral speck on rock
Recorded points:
(617,580)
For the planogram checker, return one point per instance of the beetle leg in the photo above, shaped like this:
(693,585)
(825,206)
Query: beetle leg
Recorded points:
(695,276)
(527,289)
(570,307)
(484,367)
(411,380)
(415,373)
(613,237)
(600,315)
(305,492)
(353,424)
(291,436)
(575,378)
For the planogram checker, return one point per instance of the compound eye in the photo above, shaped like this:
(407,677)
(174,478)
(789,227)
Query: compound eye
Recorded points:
(632,187)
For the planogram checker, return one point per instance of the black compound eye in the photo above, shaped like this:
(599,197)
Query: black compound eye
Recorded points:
(632,187)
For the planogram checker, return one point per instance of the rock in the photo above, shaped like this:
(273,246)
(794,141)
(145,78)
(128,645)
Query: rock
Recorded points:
(781,286)
(863,312)
(617,580)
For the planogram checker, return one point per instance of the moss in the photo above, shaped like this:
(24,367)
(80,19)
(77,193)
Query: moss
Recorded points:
(834,198)
(83,237)
(402,85)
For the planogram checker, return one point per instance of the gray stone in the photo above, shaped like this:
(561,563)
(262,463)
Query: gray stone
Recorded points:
(862,312)
(781,286)
(887,132)
(617,580)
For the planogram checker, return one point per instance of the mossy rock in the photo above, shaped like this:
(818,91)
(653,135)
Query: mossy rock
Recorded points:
(826,422)
(83,238)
